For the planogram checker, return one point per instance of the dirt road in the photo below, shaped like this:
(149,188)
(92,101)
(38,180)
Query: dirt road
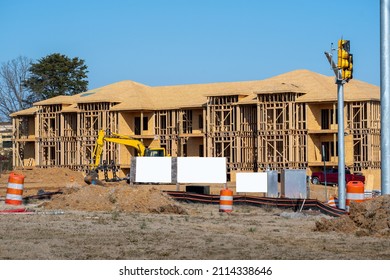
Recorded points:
(111,223)
(204,233)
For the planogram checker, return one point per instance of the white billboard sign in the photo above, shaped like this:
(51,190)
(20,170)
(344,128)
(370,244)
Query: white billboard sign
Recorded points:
(251,182)
(201,170)
(153,170)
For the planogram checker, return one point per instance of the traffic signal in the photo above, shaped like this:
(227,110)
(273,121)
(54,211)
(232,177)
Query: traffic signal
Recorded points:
(348,72)
(345,60)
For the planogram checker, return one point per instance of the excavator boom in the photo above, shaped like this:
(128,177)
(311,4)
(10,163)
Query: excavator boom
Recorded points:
(124,140)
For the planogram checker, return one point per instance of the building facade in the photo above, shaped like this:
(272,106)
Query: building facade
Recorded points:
(277,123)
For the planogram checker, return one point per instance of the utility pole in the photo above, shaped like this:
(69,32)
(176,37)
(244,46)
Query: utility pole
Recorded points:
(385,96)
(340,138)
(324,160)
(343,73)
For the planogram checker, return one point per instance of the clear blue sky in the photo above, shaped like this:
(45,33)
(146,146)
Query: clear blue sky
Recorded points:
(169,42)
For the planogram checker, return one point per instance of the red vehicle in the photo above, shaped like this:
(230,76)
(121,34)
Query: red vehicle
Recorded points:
(332,177)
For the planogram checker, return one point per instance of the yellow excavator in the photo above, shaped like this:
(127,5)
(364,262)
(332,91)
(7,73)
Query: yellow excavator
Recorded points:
(142,151)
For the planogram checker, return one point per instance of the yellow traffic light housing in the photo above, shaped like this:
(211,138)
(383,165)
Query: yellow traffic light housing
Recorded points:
(347,73)
(345,60)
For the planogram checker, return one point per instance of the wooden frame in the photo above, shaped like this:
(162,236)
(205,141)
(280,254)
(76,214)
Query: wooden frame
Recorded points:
(276,128)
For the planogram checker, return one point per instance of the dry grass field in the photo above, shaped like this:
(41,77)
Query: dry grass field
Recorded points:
(122,222)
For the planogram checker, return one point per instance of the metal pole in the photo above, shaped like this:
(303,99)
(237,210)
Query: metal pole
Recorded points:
(340,134)
(323,159)
(340,138)
(385,96)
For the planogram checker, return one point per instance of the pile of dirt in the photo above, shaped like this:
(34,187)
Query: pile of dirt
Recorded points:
(120,197)
(371,217)
(46,178)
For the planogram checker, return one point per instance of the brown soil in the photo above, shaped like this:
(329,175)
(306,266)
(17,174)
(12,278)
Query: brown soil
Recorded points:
(119,221)
(371,217)
(115,198)
(49,179)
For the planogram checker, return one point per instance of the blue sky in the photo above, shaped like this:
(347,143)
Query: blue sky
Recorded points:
(169,42)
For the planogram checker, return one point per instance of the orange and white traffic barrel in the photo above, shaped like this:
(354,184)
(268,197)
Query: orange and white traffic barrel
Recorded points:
(226,201)
(333,201)
(355,192)
(14,189)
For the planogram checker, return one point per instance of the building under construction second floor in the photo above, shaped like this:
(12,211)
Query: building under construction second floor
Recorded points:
(284,122)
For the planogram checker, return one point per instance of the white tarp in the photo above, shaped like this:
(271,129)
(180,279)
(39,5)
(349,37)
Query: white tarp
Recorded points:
(153,170)
(201,170)
(251,182)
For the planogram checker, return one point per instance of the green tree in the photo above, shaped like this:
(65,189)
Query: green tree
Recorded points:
(56,74)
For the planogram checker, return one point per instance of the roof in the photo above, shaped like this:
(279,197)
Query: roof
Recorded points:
(133,96)
(124,91)
(116,92)
(61,99)
(25,112)
(317,87)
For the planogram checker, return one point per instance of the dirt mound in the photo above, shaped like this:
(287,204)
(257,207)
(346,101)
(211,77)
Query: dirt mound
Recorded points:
(46,178)
(371,217)
(115,198)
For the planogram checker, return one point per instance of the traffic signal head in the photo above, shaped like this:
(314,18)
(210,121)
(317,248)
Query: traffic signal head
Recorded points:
(343,54)
(345,60)
(347,73)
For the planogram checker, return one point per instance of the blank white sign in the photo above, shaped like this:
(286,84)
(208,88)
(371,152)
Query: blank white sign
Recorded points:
(153,170)
(251,182)
(201,170)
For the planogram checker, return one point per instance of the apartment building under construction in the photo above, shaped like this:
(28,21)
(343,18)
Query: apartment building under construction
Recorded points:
(277,123)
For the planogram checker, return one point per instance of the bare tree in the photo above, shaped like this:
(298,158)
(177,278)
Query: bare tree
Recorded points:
(13,95)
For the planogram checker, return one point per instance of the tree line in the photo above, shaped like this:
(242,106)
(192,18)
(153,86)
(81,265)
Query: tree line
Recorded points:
(24,82)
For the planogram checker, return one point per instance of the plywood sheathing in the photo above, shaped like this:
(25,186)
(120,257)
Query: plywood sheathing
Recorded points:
(26,112)
(317,87)
(135,96)
(244,121)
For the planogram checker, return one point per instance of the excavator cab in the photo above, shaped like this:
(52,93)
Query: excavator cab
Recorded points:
(156,152)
